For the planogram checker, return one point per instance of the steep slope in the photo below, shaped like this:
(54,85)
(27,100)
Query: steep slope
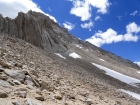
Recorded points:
(39,30)
(54,66)
(113,56)
(31,76)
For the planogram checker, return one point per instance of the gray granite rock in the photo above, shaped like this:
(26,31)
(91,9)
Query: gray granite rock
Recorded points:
(22,94)
(4,64)
(5,83)
(16,102)
(15,74)
(30,101)
(17,82)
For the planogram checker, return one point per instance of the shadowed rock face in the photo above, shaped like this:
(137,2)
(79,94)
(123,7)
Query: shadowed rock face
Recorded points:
(36,29)
(39,30)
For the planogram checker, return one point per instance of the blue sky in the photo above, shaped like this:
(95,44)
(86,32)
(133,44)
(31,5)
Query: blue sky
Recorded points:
(113,25)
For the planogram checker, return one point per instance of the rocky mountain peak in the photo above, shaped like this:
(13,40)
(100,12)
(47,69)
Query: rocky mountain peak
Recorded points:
(39,30)
(35,28)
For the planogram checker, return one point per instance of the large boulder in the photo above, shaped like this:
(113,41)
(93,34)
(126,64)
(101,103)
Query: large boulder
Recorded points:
(4,64)
(16,74)
(30,101)
(4,83)
(3,94)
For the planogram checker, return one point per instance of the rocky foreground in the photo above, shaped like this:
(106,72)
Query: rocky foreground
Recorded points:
(31,76)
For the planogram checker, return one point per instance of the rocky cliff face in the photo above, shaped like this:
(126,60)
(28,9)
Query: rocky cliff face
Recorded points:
(39,30)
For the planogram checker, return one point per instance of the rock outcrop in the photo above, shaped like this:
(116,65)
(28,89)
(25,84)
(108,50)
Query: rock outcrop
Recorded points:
(37,29)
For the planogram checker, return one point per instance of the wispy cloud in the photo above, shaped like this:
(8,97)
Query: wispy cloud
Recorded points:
(49,9)
(134,13)
(110,36)
(68,25)
(82,8)
(119,17)
(97,18)
(11,8)
(88,25)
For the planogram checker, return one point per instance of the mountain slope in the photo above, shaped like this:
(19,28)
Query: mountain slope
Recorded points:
(39,30)
(48,79)
(40,60)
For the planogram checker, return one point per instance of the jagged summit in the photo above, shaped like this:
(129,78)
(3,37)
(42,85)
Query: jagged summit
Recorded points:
(37,29)
(30,27)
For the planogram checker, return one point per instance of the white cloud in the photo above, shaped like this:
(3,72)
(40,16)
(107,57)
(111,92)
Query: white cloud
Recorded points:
(102,5)
(97,18)
(110,36)
(88,25)
(11,8)
(68,25)
(82,8)
(133,28)
(130,37)
(134,13)
(107,37)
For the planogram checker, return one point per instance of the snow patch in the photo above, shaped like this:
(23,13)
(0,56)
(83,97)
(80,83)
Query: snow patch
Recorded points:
(86,50)
(78,46)
(74,55)
(138,63)
(138,72)
(79,38)
(101,59)
(127,79)
(135,95)
(60,55)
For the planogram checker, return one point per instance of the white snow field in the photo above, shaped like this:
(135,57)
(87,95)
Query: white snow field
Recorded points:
(60,55)
(135,95)
(101,59)
(124,78)
(74,55)
(78,46)
(138,63)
